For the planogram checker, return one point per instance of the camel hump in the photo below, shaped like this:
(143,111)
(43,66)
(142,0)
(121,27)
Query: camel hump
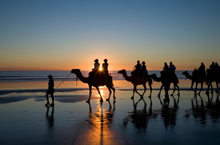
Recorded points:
(101,78)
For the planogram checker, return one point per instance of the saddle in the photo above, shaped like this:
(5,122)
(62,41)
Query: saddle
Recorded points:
(100,76)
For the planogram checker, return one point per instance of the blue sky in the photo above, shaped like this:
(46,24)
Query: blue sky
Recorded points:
(60,35)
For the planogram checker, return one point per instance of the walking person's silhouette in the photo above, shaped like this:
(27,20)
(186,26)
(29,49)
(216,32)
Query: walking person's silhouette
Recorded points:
(50,91)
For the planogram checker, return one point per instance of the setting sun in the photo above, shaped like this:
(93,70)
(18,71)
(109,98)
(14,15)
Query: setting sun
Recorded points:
(100,68)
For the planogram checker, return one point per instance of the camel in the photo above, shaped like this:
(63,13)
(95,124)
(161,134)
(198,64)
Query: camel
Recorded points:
(95,82)
(166,79)
(195,78)
(137,81)
(212,76)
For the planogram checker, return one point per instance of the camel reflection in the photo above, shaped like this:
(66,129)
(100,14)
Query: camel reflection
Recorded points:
(99,127)
(202,111)
(168,114)
(214,109)
(140,118)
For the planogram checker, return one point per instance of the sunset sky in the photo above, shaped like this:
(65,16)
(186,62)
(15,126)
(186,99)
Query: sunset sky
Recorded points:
(66,34)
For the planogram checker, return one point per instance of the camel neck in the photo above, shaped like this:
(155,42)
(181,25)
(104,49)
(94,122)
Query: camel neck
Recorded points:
(158,79)
(127,78)
(81,77)
(188,75)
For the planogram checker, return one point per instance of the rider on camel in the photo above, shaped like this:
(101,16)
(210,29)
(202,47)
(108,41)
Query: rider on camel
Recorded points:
(201,70)
(95,69)
(165,68)
(105,69)
(172,68)
(144,69)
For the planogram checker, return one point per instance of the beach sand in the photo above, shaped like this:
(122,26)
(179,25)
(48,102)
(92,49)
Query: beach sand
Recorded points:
(25,120)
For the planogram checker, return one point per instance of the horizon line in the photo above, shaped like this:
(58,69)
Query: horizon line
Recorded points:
(91,70)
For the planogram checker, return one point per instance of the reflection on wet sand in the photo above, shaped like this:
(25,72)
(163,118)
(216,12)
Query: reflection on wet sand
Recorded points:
(139,118)
(169,113)
(203,111)
(50,117)
(98,128)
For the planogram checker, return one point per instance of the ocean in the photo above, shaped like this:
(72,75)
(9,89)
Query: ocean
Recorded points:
(8,76)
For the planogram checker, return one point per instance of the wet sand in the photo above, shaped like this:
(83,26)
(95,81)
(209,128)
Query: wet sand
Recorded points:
(25,120)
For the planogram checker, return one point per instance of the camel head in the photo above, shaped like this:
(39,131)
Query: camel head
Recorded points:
(123,71)
(75,71)
(154,77)
(187,75)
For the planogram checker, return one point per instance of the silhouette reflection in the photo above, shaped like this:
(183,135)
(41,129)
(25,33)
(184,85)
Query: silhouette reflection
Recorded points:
(98,130)
(140,118)
(203,111)
(50,116)
(168,114)
(214,109)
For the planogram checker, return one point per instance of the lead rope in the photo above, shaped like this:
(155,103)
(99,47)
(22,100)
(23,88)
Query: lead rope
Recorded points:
(62,81)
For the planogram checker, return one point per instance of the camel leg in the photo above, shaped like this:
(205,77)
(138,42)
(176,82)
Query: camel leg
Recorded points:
(145,88)
(192,85)
(201,88)
(217,88)
(145,104)
(110,106)
(90,93)
(110,92)
(174,89)
(138,92)
(178,89)
(134,89)
(196,88)
(160,91)
(161,101)
(113,89)
(207,91)
(167,99)
(138,101)
(101,100)
(134,105)
(211,88)
(174,101)
(150,89)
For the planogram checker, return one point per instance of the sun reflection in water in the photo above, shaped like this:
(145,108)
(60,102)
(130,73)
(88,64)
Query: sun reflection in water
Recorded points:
(101,88)
(98,130)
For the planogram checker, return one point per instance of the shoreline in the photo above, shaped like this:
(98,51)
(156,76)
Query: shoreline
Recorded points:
(3,92)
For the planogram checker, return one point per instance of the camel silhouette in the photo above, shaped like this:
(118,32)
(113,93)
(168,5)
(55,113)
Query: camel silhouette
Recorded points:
(212,76)
(195,78)
(166,79)
(96,82)
(135,80)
